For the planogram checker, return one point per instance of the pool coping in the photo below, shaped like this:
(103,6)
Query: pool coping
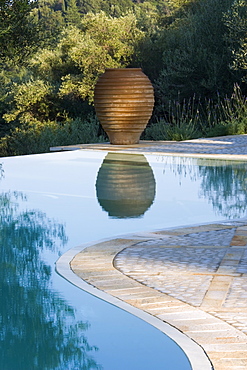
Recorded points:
(232,147)
(92,267)
(195,353)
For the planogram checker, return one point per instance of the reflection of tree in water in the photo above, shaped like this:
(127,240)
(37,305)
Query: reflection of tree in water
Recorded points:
(223,183)
(1,170)
(38,330)
(181,167)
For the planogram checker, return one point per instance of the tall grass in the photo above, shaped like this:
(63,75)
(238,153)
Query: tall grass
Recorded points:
(196,118)
(181,121)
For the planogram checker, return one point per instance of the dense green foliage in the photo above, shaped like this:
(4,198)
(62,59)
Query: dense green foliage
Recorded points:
(52,52)
(18,31)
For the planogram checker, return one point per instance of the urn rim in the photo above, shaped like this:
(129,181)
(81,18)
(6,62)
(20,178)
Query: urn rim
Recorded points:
(123,69)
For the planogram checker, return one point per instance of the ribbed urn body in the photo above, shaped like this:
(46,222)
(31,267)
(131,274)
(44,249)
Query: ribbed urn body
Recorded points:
(125,185)
(124,100)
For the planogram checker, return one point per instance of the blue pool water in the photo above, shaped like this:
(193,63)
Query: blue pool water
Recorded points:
(53,202)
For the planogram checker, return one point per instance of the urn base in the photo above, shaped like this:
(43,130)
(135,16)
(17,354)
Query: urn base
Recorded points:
(123,138)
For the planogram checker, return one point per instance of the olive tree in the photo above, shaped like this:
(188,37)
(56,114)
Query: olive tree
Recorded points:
(69,72)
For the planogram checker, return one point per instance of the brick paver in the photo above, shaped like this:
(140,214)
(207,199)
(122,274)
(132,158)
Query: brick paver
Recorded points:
(198,287)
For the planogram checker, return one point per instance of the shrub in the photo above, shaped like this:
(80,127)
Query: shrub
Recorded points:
(181,121)
(228,116)
(37,137)
(162,130)
(194,118)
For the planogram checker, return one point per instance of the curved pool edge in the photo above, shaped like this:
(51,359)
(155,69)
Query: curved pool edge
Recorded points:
(195,353)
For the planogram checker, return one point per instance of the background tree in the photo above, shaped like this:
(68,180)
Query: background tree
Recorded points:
(54,97)
(72,15)
(69,72)
(196,56)
(236,21)
(114,8)
(50,19)
(18,31)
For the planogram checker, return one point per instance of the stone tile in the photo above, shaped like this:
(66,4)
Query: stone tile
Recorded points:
(239,240)
(198,285)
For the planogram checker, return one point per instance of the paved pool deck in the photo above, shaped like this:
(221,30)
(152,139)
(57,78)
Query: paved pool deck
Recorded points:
(190,282)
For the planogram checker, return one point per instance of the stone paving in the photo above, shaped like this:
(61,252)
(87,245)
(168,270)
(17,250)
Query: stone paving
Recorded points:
(197,285)
(190,270)
(233,146)
(194,278)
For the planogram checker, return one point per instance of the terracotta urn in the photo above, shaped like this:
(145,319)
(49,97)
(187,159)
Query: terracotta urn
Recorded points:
(124,100)
(125,185)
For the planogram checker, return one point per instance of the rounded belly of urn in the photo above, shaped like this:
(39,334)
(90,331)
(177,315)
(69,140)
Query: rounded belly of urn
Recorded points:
(124,100)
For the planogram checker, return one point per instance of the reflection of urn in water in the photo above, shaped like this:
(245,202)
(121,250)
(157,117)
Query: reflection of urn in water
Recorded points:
(125,185)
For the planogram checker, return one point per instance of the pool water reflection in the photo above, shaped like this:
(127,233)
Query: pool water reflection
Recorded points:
(125,185)
(53,202)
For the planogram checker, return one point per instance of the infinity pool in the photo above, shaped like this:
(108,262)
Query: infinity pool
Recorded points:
(53,202)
